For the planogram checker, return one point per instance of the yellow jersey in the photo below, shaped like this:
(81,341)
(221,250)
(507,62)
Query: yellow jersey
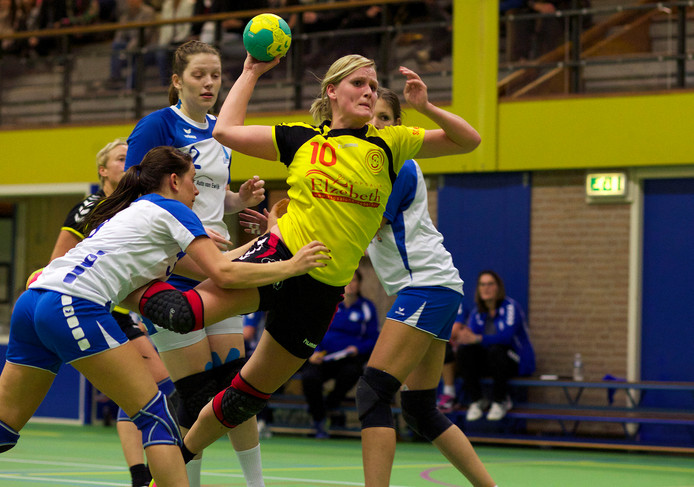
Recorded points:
(339,184)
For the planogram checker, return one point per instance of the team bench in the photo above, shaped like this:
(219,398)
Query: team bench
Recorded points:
(290,415)
(570,413)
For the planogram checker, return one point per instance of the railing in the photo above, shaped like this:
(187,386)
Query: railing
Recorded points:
(69,87)
(619,52)
(624,35)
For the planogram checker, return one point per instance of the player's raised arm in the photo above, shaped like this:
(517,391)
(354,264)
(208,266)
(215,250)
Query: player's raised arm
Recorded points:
(254,140)
(455,136)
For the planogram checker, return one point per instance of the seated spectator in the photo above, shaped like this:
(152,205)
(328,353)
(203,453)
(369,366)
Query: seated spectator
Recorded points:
(341,355)
(173,35)
(126,42)
(8,13)
(27,19)
(70,13)
(495,342)
(531,38)
(231,44)
(365,44)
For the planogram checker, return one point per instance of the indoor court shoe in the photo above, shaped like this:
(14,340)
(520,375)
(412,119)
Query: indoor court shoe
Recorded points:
(474,410)
(445,403)
(498,410)
(321,434)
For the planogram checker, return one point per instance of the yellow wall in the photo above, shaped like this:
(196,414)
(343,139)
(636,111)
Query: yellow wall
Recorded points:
(624,131)
(636,130)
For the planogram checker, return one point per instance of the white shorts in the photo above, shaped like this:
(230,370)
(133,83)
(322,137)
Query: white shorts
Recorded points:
(166,340)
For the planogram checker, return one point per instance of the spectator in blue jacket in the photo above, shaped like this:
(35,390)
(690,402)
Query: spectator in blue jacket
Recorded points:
(341,355)
(494,343)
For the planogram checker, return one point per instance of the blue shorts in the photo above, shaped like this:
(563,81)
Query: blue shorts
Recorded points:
(48,329)
(430,309)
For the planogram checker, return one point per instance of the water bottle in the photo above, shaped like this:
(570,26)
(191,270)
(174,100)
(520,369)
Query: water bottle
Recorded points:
(578,368)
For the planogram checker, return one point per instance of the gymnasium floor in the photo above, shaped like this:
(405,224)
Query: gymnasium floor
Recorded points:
(90,456)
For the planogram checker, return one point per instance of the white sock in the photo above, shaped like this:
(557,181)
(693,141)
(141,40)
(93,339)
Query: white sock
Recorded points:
(194,468)
(252,466)
(449,390)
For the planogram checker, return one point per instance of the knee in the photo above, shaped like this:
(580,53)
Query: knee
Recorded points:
(8,437)
(375,392)
(195,391)
(421,414)
(166,306)
(238,402)
(157,424)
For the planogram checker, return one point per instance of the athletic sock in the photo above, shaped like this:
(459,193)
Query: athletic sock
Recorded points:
(251,466)
(194,468)
(140,475)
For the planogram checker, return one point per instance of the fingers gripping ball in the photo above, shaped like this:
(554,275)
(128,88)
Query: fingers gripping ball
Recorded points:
(267,36)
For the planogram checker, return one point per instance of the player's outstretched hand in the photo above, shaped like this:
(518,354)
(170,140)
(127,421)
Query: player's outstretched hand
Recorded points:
(310,256)
(415,89)
(254,222)
(257,223)
(252,191)
(219,240)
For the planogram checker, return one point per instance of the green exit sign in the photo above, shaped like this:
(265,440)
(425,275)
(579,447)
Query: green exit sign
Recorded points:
(606,184)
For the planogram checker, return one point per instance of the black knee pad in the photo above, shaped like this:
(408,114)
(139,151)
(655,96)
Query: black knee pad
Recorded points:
(166,306)
(238,402)
(196,390)
(420,411)
(375,392)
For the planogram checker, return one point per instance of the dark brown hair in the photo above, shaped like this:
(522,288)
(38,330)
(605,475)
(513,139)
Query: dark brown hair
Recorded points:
(391,98)
(500,291)
(144,178)
(182,58)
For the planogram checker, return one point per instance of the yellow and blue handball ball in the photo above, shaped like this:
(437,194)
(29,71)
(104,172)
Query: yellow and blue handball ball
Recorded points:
(267,36)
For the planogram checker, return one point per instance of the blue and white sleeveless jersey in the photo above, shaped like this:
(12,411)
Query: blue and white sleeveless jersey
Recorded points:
(169,126)
(408,251)
(140,243)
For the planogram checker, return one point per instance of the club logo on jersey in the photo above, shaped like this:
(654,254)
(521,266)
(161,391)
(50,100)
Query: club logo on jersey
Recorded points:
(325,186)
(375,160)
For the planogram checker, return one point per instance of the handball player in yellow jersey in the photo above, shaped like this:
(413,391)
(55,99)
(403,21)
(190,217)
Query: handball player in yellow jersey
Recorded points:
(340,176)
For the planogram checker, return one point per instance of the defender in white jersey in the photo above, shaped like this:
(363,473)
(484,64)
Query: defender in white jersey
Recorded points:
(64,316)
(202,362)
(410,260)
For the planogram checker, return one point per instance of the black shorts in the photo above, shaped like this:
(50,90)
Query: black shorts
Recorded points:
(300,309)
(126,323)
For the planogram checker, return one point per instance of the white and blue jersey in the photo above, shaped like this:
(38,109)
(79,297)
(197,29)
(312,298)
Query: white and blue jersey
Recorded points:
(170,127)
(409,259)
(65,314)
(141,243)
(510,329)
(409,251)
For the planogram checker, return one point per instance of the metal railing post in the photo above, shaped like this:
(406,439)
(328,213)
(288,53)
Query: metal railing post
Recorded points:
(139,67)
(66,104)
(681,47)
